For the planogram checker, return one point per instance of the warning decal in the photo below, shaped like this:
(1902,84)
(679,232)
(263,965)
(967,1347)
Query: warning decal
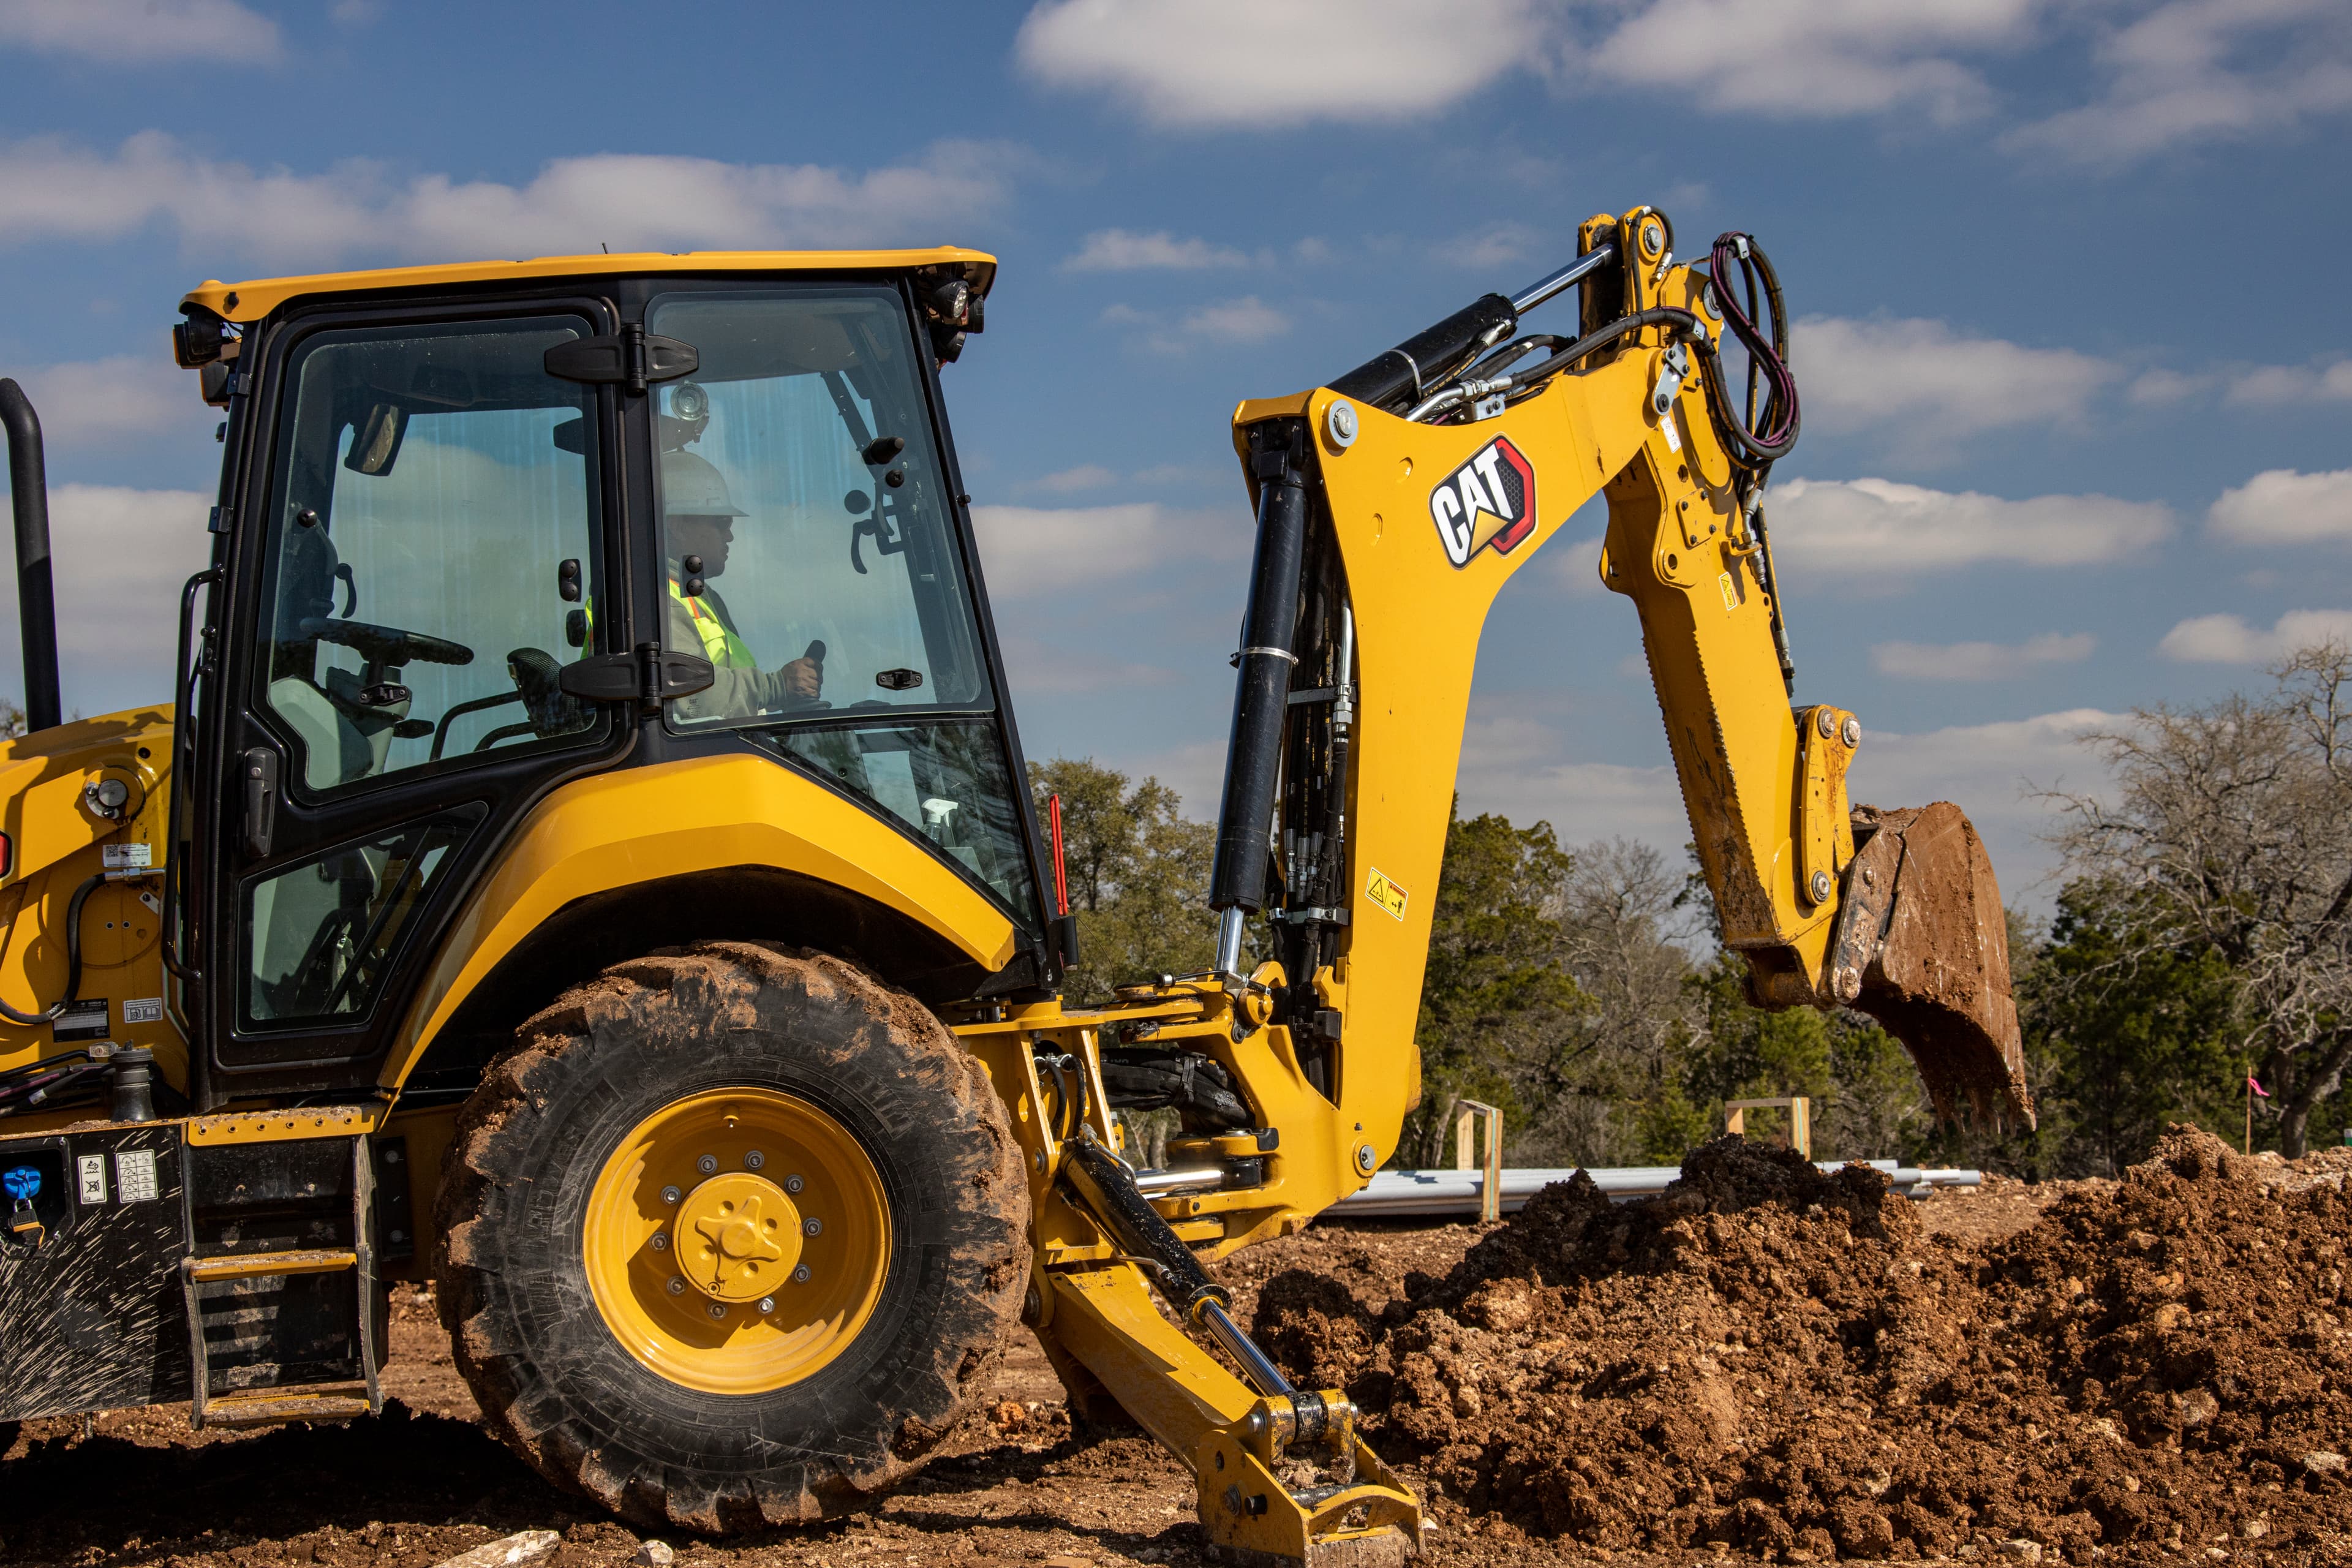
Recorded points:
(1385,894)
(1489,500)
(134,1176)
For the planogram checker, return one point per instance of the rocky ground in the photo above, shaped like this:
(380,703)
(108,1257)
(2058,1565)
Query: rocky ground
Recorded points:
(1763,1364)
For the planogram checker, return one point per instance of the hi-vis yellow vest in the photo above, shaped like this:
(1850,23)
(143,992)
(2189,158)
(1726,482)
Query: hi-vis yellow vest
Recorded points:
(720,646)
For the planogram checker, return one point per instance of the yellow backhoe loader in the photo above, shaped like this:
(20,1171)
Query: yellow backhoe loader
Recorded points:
(586,862)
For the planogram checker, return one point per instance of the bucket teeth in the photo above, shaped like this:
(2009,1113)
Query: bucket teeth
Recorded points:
(1922,945)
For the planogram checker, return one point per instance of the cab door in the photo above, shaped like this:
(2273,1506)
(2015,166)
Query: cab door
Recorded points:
(424,546)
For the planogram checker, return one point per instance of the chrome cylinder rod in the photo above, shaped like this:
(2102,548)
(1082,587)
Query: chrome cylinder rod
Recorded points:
(1255,1363)
(1567,277)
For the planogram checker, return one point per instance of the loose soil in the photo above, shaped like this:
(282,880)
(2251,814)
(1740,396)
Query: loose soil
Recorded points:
(1760,1364)
(1777,1363)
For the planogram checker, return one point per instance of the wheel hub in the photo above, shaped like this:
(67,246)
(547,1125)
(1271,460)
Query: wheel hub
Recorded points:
(737,1240)
(738,1237)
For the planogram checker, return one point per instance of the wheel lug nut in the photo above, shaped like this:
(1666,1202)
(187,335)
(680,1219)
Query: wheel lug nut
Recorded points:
(670,1195)
(801,1275)
(707,1164)
(718,1309)
(812,1224)
(754,1160)
(793,1183)
(661,1242)
(767,1305)
(676,1286)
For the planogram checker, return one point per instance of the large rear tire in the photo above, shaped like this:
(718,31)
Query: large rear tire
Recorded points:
(730,1237)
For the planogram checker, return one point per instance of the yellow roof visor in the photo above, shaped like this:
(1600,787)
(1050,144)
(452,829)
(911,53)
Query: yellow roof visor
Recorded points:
(250,301)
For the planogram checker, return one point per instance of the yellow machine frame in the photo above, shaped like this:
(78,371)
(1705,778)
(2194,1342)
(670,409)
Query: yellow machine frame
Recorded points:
(1765,784)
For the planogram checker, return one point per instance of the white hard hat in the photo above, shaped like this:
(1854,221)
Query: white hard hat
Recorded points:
(693,486)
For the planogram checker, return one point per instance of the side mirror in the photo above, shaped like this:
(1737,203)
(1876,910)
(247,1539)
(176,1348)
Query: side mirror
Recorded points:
(375,440)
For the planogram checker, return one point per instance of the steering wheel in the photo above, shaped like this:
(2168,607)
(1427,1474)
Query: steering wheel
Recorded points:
(388,647)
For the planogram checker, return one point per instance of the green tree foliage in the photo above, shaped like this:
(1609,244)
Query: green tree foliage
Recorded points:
(2140,1033)
(1496,1001)
(2229,833)
(1138,874)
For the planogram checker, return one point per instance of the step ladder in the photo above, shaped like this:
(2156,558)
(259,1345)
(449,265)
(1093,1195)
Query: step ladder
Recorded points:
(231,1307)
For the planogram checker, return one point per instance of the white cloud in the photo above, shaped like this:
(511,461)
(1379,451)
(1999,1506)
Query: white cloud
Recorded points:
(118,556)
(2162,388)
(1980,660)
(1123,250)
(1876,527)
(1069,482)
(1037,551)
(1249,65)
(1935,382)
(128,396)
(1248,320)
(2282,506)
(1814,58)
(1993,772)
(140,32)
(2228,639)
(2271,385)
(50,188)
(2205,71)
(1482,249)
(1582,800)
(1243,321)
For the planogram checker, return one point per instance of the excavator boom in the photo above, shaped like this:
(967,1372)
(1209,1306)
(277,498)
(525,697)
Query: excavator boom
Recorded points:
(1392,505)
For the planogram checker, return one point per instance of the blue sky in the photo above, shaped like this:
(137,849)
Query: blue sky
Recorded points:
(2073,342)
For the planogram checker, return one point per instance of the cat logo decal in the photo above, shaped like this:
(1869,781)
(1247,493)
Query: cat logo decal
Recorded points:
(1489,500)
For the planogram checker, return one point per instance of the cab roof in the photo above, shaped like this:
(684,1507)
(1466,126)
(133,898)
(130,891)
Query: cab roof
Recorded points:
(252,301)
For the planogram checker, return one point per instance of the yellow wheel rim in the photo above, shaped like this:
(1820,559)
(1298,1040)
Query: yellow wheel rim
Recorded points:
(737,1240)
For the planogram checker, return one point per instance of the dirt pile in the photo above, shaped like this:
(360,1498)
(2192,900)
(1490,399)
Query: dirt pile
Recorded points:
(1780,1362)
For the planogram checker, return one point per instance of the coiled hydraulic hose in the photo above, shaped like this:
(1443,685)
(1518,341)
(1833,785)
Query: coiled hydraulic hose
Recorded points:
(1759,438)
(73,951)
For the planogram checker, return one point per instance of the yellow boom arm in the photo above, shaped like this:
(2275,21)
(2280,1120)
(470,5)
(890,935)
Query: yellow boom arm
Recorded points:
(1387,525)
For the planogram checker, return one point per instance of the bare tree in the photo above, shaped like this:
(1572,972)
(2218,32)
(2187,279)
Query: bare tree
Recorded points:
(2230,833)
(1619,922)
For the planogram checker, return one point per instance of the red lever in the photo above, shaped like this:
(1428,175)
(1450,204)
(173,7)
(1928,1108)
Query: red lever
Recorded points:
(1060,877)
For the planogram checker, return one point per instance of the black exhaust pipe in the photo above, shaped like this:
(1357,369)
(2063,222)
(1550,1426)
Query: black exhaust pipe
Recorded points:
(36,600)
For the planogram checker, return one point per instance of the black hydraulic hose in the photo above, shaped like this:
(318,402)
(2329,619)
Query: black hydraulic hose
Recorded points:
(36,604)
(1261,691)
(46,1090)
(1758,439)
(73,953)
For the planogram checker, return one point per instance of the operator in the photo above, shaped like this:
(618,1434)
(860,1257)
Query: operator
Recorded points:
(698,520)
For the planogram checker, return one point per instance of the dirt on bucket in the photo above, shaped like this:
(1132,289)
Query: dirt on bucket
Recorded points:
(1777,1361)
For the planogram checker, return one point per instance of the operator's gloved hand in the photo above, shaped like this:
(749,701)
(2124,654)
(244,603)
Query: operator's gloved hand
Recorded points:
(805,677)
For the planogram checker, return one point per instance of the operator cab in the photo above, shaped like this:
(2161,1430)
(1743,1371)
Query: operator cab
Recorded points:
(473,508)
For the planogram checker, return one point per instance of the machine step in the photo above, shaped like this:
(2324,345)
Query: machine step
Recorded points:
(255,1319)
(254,1265)
(278,1405)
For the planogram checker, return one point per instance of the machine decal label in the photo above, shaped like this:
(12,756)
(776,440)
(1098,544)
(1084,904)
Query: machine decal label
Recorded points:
(1722,580)
(1385,894)
(1488,500)
(80,1021)
(92,1169)
(142,1010)
(134,1176)
(127,856)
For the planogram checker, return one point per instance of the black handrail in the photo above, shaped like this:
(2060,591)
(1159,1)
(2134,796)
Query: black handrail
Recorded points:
(36,604)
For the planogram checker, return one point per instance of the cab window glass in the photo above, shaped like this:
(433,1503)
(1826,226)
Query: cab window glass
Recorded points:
(807,540)
(811,556)
(320,936)
(432,549)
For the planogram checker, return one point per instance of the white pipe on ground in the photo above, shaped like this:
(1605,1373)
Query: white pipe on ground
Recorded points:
(1407,1193)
